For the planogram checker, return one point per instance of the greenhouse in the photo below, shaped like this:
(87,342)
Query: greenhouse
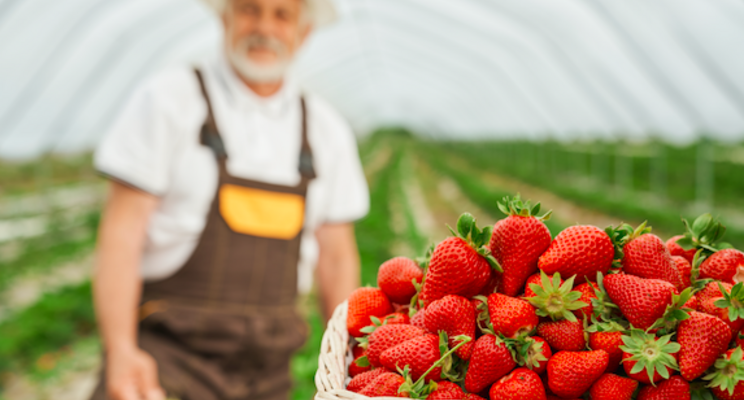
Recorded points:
(607,112)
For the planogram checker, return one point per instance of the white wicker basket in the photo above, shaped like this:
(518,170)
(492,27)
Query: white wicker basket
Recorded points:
(335,356)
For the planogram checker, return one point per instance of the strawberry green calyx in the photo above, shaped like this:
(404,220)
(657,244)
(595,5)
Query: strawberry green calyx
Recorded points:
(368,330)
(652,354)
(515,206)
(477,238)
(606,326)
(603,308)
(642,229)
(526,351)
(423,262)
(555,300)
(619,236)
(623,234)
(733,301)
(416,303)
(483,318)
(698,391)
(675,313)
(417,390)
(698,284)
(729,371)
(703,234)
(376,323)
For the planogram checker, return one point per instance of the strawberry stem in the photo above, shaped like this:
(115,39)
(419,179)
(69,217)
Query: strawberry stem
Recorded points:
(463,340)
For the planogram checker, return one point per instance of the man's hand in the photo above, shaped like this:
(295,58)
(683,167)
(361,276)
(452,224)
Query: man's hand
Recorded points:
(338,265)
(132,375)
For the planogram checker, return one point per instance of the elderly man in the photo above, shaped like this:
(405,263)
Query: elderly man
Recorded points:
(227,185)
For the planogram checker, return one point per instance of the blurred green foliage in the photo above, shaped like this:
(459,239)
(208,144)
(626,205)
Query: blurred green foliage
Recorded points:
(55,247)
(587,174)
(53,322)
(33,176)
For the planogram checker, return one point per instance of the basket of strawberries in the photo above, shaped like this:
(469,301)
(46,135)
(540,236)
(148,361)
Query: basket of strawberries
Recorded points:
(508,312)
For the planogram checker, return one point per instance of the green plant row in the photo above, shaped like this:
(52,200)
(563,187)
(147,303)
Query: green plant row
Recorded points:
(667,172)
(56,320)
(55,247)
(665,217)
(19,178)
(483,195)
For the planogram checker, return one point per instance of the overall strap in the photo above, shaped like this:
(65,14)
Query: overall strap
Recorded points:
(210,135)
(307,170)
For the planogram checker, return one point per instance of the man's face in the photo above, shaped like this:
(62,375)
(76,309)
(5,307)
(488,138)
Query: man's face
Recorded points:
(262,36)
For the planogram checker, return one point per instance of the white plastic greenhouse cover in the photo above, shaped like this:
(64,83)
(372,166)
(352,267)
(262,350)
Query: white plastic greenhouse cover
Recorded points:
(568,69)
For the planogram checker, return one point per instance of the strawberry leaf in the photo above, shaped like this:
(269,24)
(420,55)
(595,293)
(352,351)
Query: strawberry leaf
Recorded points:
(465,225)
(729,371)
(362,361)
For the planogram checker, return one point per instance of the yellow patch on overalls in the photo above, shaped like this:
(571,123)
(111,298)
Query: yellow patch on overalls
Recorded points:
(262,213)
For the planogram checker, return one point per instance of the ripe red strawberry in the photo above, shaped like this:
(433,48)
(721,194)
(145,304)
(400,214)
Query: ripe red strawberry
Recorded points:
(459,265)
(419,319)
(613,387)
(685,270)
(642,301)
(471,396)
(739,339)
(645,255)
(571,373)
(517,243)
(723,265)
(510,316)
(579,250)
(537,280)
(358,366)
(385,385)
(710,308)
(563,335)
(676,388)
(493,283)
(649,359)
(388,336)
(587,295)
(677,250)
(712,290)
(726,381)
(455,316)
(364,303)
(446,390)
(702,338)
(361,381)
(418,353)
(521,384)
(396,276)
(610,342)
(358,351)
(396,318)
(532,352)
(490,361)
(554,299)
(692,304)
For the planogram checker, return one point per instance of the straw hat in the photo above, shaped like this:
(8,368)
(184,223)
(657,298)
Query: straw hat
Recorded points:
(323,12)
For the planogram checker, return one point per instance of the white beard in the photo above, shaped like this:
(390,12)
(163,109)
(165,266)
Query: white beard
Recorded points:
(255,72)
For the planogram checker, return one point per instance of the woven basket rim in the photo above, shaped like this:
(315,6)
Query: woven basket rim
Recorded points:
(335,356)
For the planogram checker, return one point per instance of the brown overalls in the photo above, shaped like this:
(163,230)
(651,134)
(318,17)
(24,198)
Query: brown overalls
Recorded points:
(225,325)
